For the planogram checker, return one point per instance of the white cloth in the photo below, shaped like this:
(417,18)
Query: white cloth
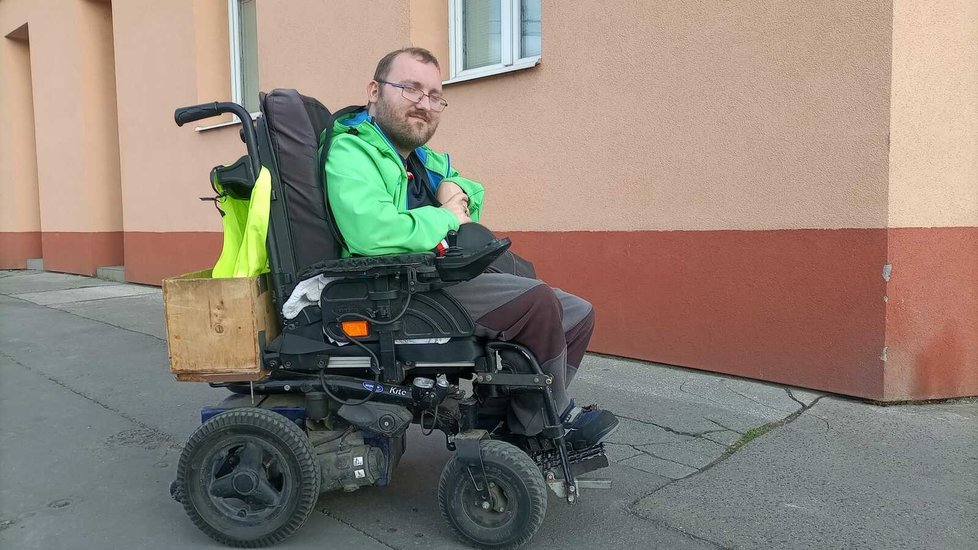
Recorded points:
(305,294)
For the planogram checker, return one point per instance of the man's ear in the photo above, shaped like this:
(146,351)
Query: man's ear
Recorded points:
(373,91)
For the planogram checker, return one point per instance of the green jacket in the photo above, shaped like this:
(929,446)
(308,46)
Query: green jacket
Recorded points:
(367,191)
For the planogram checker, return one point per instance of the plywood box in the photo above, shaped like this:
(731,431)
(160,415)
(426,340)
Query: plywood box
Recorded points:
(212,326)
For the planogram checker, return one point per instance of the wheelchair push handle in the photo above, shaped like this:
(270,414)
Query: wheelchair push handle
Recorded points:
(193,113)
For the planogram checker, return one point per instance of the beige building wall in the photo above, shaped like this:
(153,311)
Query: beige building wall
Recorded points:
(934,114)
(328,50)
(96,95)
(690,115)
(723,116)
(713,145)
(169,55)
(19,210)
(73,92)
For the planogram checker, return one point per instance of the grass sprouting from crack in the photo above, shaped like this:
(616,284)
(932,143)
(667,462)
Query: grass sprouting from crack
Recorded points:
(751,435)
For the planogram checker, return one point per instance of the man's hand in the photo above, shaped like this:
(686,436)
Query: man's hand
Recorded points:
(457,204)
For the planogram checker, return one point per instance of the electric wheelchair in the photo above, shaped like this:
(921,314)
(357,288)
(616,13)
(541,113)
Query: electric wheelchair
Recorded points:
(383,348)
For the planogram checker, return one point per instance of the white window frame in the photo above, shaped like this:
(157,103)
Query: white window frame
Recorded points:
(234,36)
(510,40)
(234,45)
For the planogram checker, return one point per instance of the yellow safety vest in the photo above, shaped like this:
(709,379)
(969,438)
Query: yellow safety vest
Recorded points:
(244,253)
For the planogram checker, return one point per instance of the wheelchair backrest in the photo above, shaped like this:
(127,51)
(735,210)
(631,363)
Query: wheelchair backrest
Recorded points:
(301,227)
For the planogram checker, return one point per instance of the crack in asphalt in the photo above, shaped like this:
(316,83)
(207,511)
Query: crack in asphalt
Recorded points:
(153,336)
(793,398)
(731,450)
(725,428)
(653,455)
(663,524)
(326,513)
(672,430)
(765,405)
(163,436)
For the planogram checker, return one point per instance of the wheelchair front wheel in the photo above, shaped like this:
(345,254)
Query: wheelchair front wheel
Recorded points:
(518,491)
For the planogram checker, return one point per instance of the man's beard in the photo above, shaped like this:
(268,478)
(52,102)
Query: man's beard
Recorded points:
(400,127)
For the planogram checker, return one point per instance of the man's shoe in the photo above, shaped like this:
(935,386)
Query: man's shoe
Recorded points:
(587,427)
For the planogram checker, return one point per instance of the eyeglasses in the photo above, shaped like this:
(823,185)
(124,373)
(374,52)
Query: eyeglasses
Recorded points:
(413,94)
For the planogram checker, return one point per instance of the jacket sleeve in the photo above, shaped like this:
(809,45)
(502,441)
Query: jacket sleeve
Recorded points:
(365,212)
(471,188)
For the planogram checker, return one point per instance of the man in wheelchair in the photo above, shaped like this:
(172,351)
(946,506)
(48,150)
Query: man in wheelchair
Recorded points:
(390,193)
(401,296)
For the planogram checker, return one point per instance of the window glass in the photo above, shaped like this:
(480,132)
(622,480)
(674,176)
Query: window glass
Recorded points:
(248,41)
(529,28)
(482,32)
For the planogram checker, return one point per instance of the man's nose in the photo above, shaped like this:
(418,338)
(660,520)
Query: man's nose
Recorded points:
(425,101)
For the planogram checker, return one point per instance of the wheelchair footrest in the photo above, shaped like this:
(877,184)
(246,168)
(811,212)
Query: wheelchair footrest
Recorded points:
(594,484)
(581,462)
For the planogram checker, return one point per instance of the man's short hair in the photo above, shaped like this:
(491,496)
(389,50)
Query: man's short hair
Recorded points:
(421,54)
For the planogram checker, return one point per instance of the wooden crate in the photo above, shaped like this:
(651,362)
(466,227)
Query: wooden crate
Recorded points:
(212,326)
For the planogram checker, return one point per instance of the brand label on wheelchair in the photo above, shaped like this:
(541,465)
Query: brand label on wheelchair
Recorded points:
(393,390)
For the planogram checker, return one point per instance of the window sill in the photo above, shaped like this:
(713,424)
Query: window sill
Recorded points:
(493,70)
(234,122)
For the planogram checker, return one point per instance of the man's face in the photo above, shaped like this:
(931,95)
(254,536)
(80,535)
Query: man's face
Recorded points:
(407,124)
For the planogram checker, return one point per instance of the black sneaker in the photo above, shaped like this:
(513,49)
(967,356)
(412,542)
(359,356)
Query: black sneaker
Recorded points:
(587,427)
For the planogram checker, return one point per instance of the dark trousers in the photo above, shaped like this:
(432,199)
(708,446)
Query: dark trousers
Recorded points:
(554,325)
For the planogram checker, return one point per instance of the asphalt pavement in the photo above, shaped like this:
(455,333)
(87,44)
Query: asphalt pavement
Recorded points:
(92,424)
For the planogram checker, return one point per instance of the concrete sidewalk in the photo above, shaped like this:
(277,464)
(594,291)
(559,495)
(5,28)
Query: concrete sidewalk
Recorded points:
(92,423)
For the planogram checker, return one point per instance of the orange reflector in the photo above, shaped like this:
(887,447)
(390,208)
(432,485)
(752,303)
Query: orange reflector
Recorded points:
(354,329)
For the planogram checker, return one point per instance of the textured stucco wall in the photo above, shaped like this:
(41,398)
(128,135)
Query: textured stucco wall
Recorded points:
(19,210)
(679,115)
(934,114)
(689,115)
(685,115)
(166,58)
(75,129)
(429,26)
(328,49)
(97,98)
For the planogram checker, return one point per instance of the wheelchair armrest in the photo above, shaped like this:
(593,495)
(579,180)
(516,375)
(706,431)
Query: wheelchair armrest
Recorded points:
(361,265)
(459,265)
(470,263)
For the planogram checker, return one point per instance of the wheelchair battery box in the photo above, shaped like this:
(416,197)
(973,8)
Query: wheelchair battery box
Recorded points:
(212,326)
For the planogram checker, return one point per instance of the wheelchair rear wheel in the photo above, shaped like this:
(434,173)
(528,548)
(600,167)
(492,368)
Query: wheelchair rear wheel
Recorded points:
(518,491)
(248,477)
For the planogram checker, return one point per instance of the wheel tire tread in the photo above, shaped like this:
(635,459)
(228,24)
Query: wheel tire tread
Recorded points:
(524,467)
(294,439)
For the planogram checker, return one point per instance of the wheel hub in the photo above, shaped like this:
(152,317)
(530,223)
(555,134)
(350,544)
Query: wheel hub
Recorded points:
(245,482)
(489,514)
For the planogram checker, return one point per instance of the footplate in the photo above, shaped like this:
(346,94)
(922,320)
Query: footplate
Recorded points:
(581,462)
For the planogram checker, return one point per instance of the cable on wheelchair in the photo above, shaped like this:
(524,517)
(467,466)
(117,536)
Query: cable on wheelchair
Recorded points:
(375,321)
(434,422)
(373,361)
(334,397)
(373,357)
